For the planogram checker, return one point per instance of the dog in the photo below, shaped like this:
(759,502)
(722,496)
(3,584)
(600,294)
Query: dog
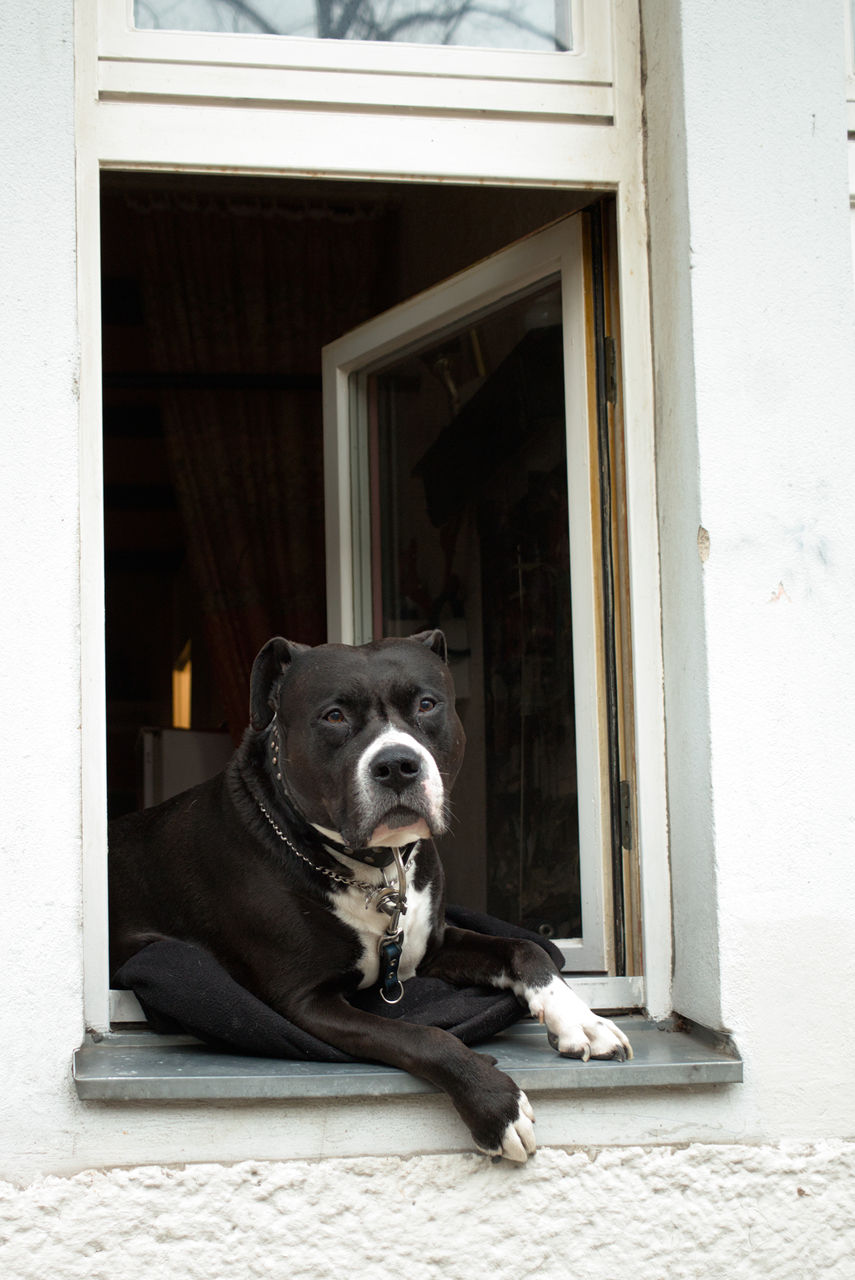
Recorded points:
(307,869)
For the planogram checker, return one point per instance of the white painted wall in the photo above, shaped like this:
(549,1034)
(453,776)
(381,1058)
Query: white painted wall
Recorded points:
(40,991)
(755,376)
(754,332)
(696,1213)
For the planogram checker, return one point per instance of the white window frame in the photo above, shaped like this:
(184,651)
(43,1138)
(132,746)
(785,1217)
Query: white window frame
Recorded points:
(556,253)
(126,121)
(262,68)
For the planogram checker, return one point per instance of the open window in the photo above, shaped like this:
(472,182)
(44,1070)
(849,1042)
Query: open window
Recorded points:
(468,487)
(470,456)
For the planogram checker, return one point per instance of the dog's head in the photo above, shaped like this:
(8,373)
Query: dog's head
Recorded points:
(368,739)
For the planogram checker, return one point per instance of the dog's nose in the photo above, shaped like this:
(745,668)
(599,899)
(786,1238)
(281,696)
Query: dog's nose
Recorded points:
(396,767)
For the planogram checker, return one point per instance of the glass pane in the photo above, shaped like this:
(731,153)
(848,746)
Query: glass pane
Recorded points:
(470,533)
(525,24)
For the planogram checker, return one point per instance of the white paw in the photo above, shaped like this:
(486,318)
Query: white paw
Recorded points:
(517,1142)
(573,1029)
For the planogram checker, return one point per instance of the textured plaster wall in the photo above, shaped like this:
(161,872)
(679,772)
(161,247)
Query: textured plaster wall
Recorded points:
(665,1214)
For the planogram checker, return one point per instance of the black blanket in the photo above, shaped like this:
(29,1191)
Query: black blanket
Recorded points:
(182,988)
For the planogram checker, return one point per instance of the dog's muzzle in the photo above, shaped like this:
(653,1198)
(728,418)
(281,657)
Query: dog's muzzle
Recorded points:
(397,795)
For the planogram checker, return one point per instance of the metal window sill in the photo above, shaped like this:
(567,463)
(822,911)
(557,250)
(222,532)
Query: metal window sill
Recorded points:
(132,1066)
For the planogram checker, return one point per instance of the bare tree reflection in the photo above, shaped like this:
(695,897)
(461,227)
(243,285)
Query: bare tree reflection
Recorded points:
(378,20)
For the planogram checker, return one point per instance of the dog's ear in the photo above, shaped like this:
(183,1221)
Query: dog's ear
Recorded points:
(435,641)
(270,664)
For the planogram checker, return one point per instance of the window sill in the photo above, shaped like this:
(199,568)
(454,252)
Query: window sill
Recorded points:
(141,1066)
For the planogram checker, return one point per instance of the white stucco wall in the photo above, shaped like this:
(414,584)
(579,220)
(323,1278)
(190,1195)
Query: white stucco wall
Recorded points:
(753,331)
(694,1213)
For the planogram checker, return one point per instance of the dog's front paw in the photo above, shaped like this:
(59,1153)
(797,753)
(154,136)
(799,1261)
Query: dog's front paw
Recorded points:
(573,1029)
(517,1139)
(496,1111)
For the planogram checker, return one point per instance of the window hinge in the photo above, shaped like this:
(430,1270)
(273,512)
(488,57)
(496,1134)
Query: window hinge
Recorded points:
(611,370)
(625,816)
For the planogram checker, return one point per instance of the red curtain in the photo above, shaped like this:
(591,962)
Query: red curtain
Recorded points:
(241,292)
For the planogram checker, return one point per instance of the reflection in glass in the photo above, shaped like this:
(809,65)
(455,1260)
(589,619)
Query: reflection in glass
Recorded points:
(470,533)
(504,24)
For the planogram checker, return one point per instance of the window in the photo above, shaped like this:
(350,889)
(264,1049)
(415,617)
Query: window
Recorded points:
(458,482)
(544,130)
(532,24)
(204,57)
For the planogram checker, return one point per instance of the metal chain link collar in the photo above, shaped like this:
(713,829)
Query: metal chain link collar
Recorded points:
(324,871)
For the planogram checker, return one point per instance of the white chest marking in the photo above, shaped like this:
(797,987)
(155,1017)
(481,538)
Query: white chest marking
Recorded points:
(370,925)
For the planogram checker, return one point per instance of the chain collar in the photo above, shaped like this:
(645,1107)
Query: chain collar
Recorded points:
(364,885)
(379,858)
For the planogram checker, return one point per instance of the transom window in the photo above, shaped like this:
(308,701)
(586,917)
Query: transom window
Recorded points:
(527,24)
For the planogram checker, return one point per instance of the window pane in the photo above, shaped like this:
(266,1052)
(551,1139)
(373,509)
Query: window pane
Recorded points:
(470,533)
(505,24)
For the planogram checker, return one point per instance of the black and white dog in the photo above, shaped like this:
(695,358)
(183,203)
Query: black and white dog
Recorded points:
(307,870)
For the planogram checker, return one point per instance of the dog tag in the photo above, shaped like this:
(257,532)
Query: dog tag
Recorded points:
(393,906)
(386,899)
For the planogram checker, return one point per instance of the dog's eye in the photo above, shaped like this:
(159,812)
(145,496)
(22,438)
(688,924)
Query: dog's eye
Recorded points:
(427,703)
(334,716)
